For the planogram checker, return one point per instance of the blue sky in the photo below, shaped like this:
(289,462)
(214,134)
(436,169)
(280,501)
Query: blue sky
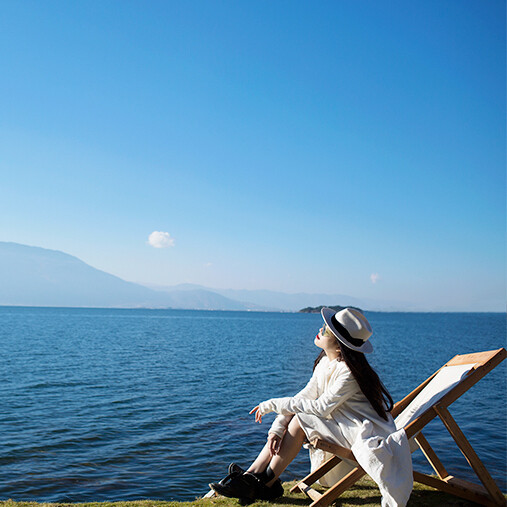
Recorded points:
(286,145)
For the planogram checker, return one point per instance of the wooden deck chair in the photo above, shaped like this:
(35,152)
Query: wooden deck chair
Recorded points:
(413,413)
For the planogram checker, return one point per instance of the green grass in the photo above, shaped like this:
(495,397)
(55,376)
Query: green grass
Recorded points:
(365,494)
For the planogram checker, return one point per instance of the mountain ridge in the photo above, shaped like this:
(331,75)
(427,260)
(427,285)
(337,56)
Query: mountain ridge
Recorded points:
(36,276)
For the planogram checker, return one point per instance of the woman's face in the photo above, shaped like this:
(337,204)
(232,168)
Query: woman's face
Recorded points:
(326,340)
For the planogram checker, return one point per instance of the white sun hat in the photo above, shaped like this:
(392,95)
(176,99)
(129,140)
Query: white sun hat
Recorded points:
(350,327)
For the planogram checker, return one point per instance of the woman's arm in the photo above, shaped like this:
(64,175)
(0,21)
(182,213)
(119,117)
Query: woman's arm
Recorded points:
(281,422)
(339,391)
(280,425)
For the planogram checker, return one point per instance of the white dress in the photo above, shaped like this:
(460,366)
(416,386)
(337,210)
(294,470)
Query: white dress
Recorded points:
(333,407)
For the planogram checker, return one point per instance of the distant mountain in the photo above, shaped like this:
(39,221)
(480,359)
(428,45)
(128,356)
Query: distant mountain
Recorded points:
(33,276)
(281,301)
(289,302)
(182,290)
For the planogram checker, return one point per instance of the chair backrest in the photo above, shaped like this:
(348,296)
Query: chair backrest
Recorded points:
(446,378)
(444,387)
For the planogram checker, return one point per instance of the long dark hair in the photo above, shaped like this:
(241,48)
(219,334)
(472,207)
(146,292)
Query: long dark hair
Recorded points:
(366,377)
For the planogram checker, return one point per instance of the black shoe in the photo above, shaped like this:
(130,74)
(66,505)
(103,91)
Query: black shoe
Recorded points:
(234,468)
(246,487)
(233,471)
(272,492)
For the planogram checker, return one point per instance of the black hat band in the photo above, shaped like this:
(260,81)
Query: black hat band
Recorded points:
(345,334)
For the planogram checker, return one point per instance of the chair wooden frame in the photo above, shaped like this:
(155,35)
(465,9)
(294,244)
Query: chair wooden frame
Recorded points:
(486,494)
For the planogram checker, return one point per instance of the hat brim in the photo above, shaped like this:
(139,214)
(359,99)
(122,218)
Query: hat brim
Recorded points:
(327,314)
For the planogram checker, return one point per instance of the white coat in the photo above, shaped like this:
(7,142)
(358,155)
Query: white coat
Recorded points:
(333,407)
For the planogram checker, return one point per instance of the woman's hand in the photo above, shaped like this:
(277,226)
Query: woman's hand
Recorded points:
(274,443)
(258,416)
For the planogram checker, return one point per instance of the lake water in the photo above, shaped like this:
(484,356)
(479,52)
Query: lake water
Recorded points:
(100,404)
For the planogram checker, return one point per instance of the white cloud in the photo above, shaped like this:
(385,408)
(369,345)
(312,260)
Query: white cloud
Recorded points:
(159,239)
(374,277)
(208,264)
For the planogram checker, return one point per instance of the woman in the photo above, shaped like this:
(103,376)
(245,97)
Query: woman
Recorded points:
(344,402)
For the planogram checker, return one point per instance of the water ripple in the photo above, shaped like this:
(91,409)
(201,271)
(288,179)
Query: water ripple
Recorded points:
(104,405)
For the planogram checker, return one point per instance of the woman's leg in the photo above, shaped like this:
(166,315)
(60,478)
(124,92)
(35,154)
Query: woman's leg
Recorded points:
(291,445)
(241,486)
(261,462)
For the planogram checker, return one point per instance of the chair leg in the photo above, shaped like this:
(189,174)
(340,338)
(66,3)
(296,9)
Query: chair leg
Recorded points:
(431,456)
(333,493)
(457,487)
(470,455)
(317,474)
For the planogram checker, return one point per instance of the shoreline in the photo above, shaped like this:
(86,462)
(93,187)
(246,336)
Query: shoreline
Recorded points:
(365,493)
(295,312)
